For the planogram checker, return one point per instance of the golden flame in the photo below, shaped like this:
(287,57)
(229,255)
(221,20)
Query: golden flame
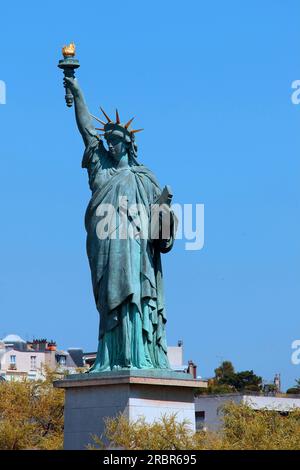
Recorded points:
(69,51)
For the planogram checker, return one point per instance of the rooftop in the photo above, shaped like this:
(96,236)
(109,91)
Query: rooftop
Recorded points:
(13,339)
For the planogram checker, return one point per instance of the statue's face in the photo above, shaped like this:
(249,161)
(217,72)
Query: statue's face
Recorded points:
(116,145)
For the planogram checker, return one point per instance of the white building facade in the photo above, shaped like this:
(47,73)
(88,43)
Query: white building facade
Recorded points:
(208,408)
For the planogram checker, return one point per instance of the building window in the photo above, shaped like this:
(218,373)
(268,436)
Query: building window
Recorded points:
(32,362)
(13,359)
(13,362)
(62,361)
(200,420)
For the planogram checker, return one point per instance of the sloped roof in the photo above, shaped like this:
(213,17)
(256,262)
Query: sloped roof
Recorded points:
(13,339)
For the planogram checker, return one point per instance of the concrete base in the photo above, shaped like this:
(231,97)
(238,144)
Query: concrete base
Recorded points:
(92,397)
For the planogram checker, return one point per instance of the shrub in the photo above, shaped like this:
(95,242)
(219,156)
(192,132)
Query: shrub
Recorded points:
(243,429)
(31,414)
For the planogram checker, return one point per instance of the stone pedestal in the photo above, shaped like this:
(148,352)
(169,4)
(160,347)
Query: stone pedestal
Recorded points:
(150,393)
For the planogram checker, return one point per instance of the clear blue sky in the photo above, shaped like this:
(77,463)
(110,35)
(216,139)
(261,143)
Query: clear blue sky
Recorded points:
(210,82)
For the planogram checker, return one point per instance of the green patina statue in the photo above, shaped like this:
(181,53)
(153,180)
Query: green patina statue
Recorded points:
(126,270)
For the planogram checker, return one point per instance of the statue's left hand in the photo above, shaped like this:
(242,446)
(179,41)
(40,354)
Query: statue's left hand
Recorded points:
(162,220)
(166,214)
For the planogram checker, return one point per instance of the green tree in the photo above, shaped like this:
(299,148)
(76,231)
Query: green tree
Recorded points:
(247,380)
(293,391)
(225,373)
(296,389)
(227,380)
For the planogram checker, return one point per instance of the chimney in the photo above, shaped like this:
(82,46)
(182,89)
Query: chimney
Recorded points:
(39,344)
(192,369)
(277,382)
(51,346)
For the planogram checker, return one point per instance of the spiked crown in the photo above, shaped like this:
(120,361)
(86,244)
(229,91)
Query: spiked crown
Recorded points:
(117,126)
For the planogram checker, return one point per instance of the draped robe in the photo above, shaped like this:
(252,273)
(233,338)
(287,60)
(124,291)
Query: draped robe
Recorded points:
(126,273)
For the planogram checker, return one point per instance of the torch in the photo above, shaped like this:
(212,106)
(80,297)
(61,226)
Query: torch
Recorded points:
(69,64)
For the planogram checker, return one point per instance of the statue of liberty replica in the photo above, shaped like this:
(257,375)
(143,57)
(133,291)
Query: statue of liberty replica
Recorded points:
(124,253)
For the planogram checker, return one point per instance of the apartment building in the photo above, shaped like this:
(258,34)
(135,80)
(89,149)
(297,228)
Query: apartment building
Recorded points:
(27,359)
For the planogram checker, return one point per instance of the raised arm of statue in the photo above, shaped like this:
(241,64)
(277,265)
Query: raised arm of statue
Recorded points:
(83,117)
